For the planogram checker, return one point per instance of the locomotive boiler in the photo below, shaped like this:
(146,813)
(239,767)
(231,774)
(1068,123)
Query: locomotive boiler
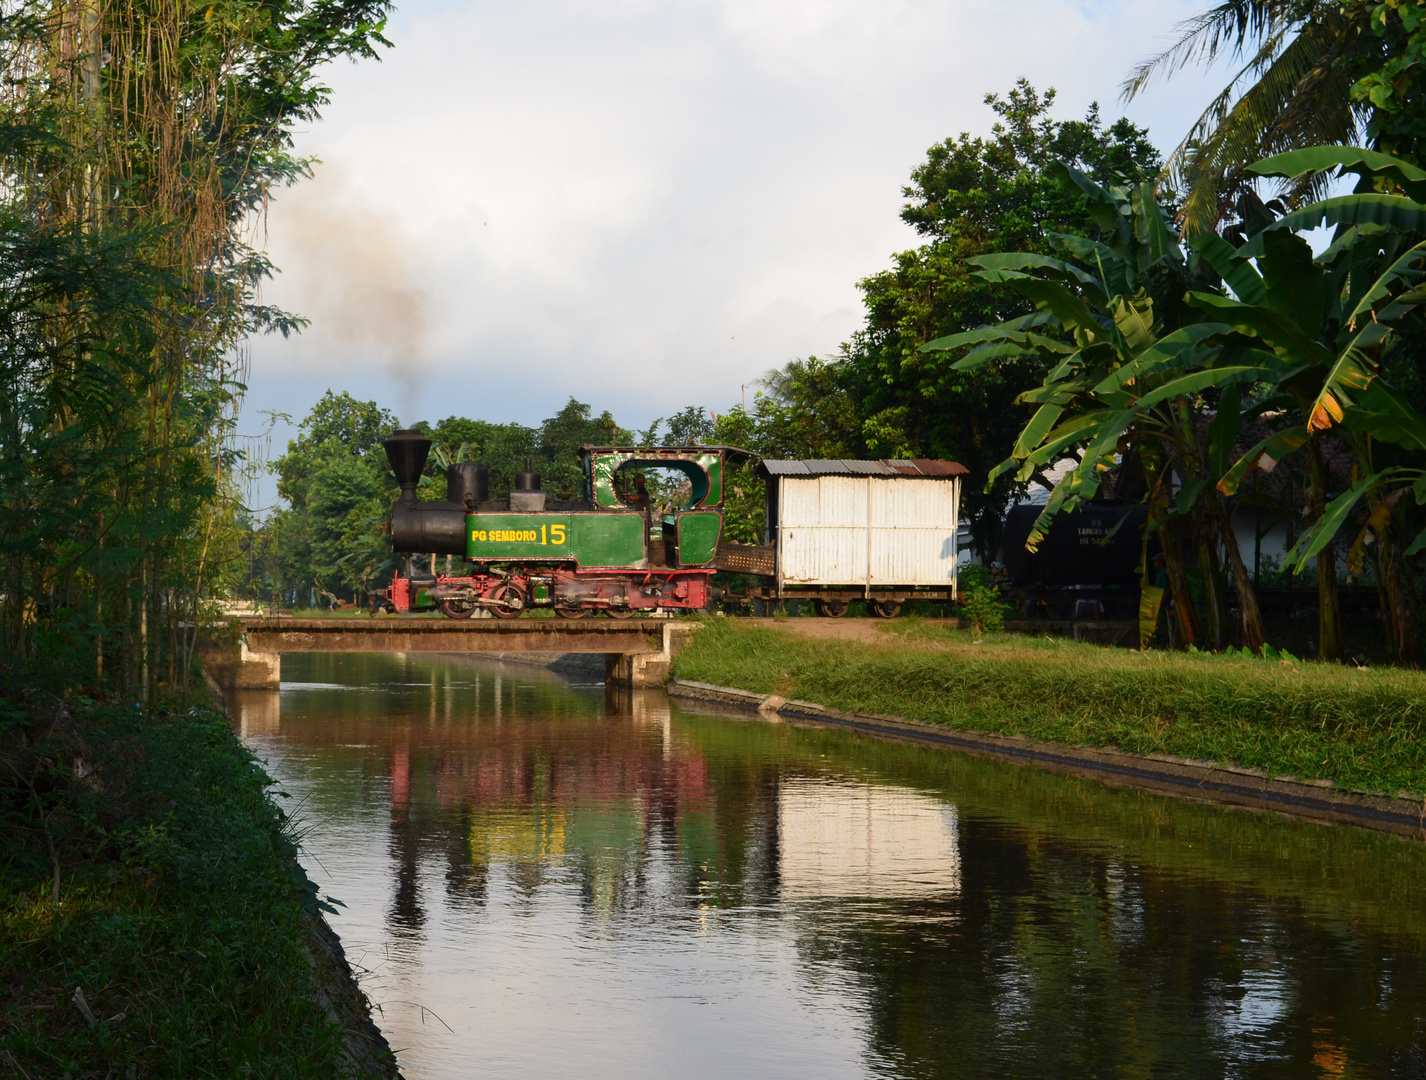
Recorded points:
(590,555)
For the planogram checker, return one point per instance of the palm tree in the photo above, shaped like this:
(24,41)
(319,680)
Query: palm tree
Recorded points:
(1298,62)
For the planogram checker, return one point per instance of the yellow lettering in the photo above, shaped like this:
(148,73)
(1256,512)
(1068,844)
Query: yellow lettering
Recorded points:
(556,534)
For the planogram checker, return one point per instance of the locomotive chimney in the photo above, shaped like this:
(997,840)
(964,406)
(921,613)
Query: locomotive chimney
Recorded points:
(527,480)
(526,495)
(468,484)
(407,450)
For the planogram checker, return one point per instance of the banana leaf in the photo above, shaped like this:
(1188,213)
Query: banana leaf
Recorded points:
(1167,351)
(1281,335)
(1334,517)
(1275,447)
(1350,159)
(1364,208)
(1024,260)
(1005,330)
(1238,274)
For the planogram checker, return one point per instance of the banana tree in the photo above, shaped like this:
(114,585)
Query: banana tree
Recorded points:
(1130,368)
(1330,318)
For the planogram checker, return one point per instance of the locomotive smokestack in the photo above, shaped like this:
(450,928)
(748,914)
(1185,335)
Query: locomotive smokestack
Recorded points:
(529,480)
(407,450)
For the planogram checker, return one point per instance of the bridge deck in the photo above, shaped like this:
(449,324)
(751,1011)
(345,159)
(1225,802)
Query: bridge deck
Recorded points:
(388,634)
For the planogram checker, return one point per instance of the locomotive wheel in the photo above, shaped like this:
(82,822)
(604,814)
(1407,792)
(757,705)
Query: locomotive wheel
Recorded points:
(619,613)
(509,601)
(886,609)
(571,612)
(456,609)
(831,609)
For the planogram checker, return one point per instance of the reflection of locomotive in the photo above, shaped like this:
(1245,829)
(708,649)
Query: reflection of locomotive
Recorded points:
(578,557)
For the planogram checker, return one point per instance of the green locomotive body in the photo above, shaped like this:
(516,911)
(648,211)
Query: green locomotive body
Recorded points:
(597,554)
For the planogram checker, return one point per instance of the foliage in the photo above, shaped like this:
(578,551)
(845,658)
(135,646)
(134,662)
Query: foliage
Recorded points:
(1151,370)
(971,197)
(1314,73)
(147,869)
(136,143)
(984,609)
(330,536)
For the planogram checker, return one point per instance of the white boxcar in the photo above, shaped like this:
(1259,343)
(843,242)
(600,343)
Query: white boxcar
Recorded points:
(865,525)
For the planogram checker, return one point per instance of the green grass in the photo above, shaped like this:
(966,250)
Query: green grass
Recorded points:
(1362,729)
(183,915)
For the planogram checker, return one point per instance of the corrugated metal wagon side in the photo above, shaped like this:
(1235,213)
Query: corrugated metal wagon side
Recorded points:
(878,528)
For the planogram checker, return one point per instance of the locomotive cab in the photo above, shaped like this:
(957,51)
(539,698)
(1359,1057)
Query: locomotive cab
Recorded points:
(596,554)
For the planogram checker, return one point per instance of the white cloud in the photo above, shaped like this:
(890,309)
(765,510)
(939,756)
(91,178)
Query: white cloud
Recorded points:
(642,204)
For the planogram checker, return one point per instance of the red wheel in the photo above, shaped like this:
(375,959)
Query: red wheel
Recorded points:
(507,601)
(571,612)
(456,607)
(619,613)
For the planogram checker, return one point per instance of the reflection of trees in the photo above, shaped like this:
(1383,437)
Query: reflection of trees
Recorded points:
(1091,931)
(599,799)
(1057,961)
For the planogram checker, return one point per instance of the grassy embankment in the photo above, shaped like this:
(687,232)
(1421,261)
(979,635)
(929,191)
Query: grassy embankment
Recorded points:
(154,920)
(1361,728)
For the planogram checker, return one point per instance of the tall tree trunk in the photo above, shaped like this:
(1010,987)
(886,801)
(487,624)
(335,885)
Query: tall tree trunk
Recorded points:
(1398,613)
(1213,604)
(1329,613)
(1178,586)
(1248,612)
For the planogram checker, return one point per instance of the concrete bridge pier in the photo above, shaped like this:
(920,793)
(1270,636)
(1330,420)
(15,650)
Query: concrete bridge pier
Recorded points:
(237,667)
(646,670)
(638,652)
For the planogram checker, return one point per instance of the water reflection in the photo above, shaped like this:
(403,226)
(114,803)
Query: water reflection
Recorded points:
(543,879)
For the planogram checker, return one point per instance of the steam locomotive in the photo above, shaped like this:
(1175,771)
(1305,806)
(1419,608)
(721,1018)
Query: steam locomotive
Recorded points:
(594,554)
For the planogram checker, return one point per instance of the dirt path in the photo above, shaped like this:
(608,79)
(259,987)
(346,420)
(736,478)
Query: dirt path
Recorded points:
(875,631)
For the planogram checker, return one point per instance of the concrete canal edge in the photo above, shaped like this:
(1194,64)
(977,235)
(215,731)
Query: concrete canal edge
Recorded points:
(1205,781)
(365,1050)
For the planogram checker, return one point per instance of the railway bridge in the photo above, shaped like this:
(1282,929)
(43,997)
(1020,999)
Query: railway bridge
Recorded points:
(638,652)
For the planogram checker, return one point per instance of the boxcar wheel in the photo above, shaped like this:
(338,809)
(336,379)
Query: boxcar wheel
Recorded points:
(831,609)
(886,609)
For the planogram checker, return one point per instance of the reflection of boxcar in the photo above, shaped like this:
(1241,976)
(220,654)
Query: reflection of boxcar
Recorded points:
(837,531)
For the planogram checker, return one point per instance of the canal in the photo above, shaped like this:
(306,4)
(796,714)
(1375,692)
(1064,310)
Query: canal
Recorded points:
(540,881)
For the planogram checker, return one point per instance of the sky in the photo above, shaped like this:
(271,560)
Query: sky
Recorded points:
(643,204)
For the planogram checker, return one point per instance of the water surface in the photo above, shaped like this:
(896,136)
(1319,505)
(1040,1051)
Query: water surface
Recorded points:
(544,882)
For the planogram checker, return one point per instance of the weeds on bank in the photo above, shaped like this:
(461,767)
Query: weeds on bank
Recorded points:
(152,911)
(1361,728)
